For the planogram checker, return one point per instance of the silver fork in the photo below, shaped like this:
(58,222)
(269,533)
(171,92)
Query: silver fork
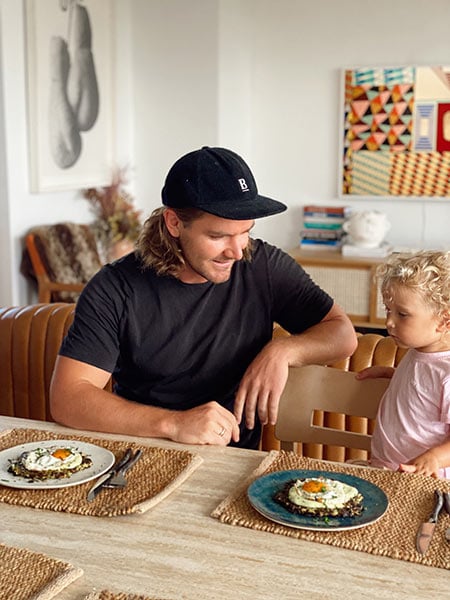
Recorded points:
(118,480)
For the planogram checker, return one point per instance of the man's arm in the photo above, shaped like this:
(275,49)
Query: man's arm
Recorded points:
(332,339)
(77,399)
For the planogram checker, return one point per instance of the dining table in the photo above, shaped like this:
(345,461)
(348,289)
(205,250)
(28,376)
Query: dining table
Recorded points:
(178,549)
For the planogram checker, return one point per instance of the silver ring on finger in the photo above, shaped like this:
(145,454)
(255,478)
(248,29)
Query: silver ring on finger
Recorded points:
(222,432)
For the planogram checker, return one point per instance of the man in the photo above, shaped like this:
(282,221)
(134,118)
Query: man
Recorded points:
(185,323)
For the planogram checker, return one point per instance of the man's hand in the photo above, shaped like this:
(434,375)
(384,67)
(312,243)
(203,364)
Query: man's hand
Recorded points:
(209,423)
(260,389)
(79,400)
(262,385)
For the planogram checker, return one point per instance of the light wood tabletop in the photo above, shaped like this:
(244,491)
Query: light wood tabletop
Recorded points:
(177,550)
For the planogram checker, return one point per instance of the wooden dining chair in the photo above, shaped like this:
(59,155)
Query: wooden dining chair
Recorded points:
(372,350)
(313,391)
(61,258)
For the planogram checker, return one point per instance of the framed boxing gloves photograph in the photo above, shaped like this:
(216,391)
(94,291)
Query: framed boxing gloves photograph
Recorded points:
(70,93)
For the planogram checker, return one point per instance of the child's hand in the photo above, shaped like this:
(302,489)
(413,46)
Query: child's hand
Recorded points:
(375,372)
(425,464)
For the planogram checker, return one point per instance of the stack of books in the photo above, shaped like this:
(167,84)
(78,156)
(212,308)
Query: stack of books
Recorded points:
(381,251)
(322,227)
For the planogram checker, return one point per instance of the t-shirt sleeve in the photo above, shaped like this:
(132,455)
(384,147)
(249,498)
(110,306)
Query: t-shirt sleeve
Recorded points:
(93,337)
(298,302)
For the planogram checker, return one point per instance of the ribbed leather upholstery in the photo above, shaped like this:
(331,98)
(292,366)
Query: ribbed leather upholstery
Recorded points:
(30,337)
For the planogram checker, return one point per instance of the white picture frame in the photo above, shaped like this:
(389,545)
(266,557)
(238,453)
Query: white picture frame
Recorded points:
(70,93)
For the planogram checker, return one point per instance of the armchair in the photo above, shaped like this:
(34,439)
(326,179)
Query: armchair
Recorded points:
(61,258)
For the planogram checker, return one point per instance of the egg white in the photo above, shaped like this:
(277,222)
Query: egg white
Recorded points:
(334,495)
(41,460)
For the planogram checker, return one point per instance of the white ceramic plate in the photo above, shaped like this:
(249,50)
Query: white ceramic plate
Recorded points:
(102,460)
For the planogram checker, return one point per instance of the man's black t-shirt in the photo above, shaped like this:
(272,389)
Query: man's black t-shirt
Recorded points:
(177,345)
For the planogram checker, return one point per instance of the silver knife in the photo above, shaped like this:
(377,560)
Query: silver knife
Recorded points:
(426,530)
(447,508)
(100,483)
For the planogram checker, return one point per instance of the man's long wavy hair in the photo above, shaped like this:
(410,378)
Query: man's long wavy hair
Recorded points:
(159,250)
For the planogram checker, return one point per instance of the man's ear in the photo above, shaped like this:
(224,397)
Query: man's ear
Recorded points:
(173,223)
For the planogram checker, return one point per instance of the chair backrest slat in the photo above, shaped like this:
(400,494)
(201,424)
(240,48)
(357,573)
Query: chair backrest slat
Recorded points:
(336,396)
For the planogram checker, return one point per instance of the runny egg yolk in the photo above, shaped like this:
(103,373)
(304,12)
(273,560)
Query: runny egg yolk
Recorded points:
(313,486)
(61,453)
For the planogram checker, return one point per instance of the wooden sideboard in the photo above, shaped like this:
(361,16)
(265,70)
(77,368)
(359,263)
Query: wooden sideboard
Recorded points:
(350,281)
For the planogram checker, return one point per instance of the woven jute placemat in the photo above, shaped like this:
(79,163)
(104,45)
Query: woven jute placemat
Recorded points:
(26,575)
(158,473)
(107,595)
(410,497)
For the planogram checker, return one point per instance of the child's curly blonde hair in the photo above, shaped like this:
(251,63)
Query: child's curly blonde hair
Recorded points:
(426,272)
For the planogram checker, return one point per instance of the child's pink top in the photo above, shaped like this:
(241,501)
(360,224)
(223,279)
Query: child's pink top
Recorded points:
(414,413)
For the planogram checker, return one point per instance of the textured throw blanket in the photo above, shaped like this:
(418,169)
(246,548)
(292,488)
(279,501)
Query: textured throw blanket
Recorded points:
(69,254)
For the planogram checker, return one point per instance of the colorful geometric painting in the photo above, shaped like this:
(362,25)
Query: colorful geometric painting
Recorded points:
(396,135)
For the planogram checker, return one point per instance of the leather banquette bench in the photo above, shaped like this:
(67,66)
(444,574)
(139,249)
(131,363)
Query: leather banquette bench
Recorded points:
(30,337)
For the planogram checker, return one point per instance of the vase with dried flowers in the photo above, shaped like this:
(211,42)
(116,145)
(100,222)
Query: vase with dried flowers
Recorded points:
(117,222)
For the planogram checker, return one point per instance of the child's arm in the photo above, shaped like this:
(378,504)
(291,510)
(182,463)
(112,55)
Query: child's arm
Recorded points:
(430,461)
(376,371)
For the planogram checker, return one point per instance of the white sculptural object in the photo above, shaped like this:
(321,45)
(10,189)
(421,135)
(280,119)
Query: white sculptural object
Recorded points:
(367,229)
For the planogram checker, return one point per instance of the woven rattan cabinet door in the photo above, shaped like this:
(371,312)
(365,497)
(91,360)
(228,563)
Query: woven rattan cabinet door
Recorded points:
(349,287)
(349,281)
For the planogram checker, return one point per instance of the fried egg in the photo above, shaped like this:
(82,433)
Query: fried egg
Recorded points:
(317,493)
(51,459)
(53,462)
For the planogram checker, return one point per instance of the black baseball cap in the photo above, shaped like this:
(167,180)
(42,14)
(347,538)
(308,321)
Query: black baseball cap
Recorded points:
(217,181)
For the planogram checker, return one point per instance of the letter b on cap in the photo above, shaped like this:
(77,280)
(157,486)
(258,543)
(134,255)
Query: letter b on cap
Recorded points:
(243,184)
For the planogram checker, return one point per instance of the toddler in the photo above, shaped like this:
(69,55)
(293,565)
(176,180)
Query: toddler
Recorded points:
(412,431)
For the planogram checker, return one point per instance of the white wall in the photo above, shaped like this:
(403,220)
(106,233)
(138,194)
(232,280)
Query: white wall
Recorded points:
(174,66)
(298,49)
(259,76)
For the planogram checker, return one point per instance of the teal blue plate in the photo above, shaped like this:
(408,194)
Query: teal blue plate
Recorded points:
(262,490)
